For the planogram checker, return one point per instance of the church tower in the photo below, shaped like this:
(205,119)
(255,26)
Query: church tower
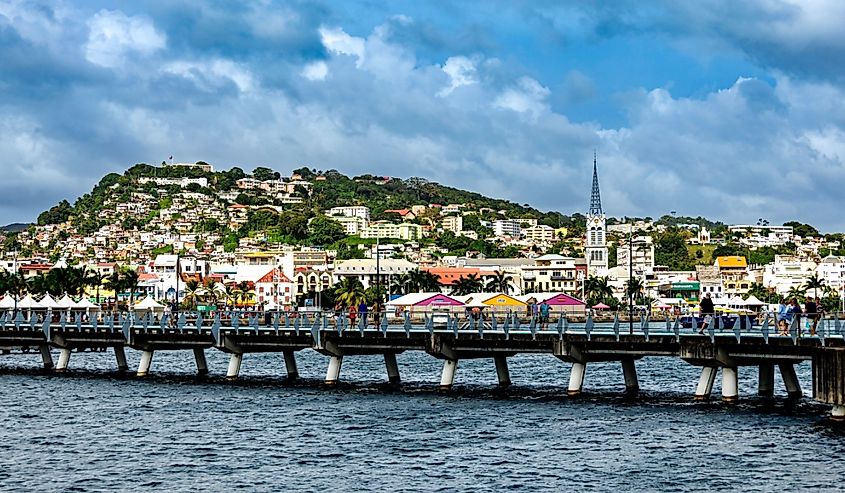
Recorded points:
(595,246)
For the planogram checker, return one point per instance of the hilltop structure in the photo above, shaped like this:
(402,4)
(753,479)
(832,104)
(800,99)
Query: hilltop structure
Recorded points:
(595,245)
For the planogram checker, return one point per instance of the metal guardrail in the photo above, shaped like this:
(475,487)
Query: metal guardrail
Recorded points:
(505,323)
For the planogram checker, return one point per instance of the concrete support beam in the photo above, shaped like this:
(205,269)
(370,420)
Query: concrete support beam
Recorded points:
(705,383)
(333,373)
(144,364)
(392,368)
(576,379)
(447,379)
(730,384)
(120,358)
(64,359)
(502,371)
(234,366)
(629,370)
(790,380)
(766,380)
(290,365)
(202,364)
(838,412)
(46,357)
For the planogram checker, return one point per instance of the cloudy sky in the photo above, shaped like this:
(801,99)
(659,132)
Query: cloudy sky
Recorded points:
(732,110)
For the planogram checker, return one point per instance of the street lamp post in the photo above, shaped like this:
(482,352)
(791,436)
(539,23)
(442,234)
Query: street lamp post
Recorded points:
(630,280)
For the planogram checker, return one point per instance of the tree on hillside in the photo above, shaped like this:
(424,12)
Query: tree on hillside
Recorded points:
(670,249)
(815,283)
(265,174)
(325,231)
(56,214)
(801,229)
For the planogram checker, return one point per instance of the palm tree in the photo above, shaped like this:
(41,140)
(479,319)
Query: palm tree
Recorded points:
(815,283)
(37,284)
(467,285)
(796,292)
(634,288)
(500,282)
(597,288)
(192,292)
(349,292)
(114,282)
(401,284)
(95,280)
(246,291)
(130,281)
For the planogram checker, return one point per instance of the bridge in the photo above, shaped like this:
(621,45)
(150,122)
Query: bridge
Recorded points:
(452,338)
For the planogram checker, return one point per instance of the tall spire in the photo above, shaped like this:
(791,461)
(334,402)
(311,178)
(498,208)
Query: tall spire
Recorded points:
(595,197)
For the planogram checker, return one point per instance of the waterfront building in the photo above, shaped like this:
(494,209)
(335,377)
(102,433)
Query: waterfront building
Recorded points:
(551,273)
(595,246)
(787,272)
(365,270)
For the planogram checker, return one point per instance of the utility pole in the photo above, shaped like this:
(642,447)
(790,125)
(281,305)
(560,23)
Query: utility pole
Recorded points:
(378,273)
(630,279)
(15,270)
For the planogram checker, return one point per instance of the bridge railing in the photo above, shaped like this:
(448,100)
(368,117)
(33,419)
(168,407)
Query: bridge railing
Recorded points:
(458,321)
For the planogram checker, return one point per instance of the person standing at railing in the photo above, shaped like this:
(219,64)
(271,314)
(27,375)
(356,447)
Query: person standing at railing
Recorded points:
(784,317)
(795,311)
(362,311)
(353,316)
(811,308)
(544,315)
(708,310)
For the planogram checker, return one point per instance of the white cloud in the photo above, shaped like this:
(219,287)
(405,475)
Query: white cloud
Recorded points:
(337,41)
(527,97)
(315,71)
(113,35)
(461,71)
(208,74)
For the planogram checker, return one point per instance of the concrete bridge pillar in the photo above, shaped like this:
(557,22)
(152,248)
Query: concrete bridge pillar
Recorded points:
(64,359)
(234,366)
(290,365)
(502,371)
(202,364)
(705,383)
(144,364)
(120,358)
(392,368)
(838,412)
(766,380)
(730,384)
(333,373)
(576,379)
(46,357)
(447,379)
(629,370)
(790,380)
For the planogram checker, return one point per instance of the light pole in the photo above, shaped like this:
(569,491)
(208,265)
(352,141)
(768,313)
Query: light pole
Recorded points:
(630,279)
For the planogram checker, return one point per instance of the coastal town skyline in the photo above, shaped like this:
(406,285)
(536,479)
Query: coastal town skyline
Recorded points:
(732,121)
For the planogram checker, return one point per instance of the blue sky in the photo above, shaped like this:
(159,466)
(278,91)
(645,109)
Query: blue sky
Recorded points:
(728,110)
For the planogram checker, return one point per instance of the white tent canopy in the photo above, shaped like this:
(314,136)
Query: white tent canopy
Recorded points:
(47,302)
(753,301)
(64,303)
(84,304)
(7,303)
(148,304)
(27,303)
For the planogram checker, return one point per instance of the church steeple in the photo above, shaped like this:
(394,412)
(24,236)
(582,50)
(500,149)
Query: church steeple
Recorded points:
(595,244)
(595,197)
